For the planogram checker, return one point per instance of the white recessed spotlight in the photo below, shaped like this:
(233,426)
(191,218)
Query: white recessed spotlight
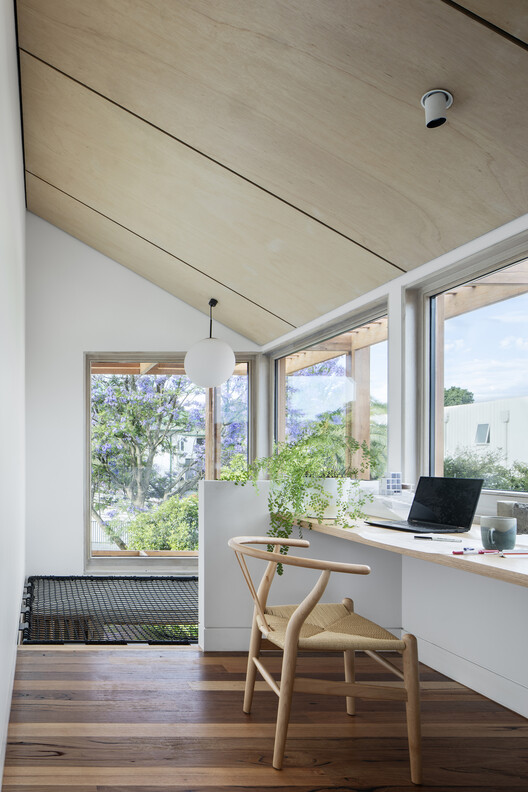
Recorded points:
(435,104)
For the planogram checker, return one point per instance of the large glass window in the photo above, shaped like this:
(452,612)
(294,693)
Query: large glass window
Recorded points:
(344,378)
(480,393)
(154,435)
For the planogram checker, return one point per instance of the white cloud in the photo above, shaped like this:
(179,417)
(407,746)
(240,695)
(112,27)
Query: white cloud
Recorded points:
(514,341)
(458,345)
(489,378)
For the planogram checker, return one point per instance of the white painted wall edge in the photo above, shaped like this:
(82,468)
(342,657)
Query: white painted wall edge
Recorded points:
(488,683)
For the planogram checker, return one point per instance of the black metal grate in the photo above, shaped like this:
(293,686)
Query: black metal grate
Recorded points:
(111,610)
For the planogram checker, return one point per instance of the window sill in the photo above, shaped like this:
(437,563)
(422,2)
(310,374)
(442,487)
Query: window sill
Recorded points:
(121,563)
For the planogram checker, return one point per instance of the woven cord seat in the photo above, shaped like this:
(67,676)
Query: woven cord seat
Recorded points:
(322,627)
(330,627)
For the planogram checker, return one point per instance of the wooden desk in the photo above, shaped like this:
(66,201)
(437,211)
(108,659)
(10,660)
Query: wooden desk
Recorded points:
(511,569)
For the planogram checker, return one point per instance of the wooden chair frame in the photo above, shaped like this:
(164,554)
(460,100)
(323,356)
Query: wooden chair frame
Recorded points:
(409,691)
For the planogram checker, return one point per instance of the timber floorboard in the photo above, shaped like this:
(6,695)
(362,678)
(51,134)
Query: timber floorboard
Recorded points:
(148,719)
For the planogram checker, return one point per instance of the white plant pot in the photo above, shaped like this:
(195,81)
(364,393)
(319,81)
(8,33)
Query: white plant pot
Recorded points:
(330,488)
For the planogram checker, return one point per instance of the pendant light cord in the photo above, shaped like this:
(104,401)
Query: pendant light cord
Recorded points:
(212,303)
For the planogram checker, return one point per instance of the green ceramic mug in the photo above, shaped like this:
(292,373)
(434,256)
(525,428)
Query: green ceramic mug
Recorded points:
(498,533)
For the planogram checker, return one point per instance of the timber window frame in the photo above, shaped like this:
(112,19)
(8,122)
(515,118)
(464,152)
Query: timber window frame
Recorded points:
(476,268)
(374,319)
(166,562)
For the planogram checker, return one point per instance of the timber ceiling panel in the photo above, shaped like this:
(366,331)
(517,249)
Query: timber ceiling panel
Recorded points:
(508,15)
(277,149)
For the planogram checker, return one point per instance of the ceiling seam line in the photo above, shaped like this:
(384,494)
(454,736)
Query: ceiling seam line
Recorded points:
(495,28)
(20,105)
(158,247)
(217,162)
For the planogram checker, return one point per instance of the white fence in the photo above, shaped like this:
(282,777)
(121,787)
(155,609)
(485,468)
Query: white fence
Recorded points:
(99,535)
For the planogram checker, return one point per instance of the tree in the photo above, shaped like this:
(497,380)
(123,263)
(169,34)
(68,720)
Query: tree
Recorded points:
(134,420)
(333,371)
(471,464)
(455,395)
(234,419)
(488,466)
(378,439)
(172,526)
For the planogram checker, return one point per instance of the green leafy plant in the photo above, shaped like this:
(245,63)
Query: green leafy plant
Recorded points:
(172,526)
(297,471)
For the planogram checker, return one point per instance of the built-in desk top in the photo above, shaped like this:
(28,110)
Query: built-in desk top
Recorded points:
(512,569)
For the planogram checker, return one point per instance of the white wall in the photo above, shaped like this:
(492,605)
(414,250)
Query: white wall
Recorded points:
(508,427)
(228,510)
(80,301)
(470,628)
(12,218)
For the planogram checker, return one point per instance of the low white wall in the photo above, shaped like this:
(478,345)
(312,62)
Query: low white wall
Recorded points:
(470,628)
(12,497)
(80,301)
(228,510)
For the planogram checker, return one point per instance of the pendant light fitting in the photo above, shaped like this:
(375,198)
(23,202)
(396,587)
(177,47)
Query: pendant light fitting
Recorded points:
(211,361)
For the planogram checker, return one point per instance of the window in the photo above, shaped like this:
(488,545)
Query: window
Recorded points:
(480,393)
(154,435)
(483,434)
(344,378)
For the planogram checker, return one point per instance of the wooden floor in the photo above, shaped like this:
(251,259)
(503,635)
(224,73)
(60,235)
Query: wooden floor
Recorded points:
(148,719)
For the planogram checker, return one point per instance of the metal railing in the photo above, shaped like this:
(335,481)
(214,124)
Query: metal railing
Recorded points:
(99,536)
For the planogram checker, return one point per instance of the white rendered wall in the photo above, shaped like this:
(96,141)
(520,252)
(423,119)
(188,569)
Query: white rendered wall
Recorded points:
(12,499)
(228,510)
(79,301)
(470,628)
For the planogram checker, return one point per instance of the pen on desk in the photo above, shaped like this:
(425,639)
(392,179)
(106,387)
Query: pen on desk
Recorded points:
(474,551)
(438,538)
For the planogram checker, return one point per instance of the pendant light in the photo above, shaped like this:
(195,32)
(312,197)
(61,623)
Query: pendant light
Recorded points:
(211,361)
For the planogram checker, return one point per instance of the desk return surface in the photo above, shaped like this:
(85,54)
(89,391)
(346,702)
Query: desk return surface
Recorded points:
(511,569)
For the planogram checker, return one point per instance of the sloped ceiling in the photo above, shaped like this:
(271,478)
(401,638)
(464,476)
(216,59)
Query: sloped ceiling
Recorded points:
(273,153)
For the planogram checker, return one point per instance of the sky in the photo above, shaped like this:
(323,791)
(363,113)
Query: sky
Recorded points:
(486,351)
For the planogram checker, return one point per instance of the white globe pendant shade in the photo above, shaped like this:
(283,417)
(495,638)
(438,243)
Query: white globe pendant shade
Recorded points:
(209,363)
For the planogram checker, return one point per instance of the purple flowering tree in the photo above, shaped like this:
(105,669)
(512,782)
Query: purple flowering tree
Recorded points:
(135,422)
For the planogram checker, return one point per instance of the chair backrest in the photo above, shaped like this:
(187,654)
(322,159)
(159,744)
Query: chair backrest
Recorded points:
(240,544)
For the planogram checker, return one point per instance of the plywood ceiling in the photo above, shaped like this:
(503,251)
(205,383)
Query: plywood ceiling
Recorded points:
(273,154)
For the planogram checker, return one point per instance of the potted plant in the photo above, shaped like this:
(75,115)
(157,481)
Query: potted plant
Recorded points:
(316,471)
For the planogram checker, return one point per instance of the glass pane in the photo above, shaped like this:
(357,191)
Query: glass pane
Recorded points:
(344,379)
(481,399)
(147,455)
(232,424)
(483,434)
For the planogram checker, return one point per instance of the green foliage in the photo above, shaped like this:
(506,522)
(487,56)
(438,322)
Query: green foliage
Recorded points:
(172,526)
(297,470)
(237,470)
(488,466)
(455,395)
(378,439)
(518,477)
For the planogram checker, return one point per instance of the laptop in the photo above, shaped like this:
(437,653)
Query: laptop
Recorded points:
(440,505)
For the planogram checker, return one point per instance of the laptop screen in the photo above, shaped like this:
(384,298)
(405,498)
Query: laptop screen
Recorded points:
(445,501)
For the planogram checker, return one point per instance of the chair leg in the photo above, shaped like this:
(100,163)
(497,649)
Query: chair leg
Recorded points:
(251,674)
(289,663)
(412,686)
(350,675)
